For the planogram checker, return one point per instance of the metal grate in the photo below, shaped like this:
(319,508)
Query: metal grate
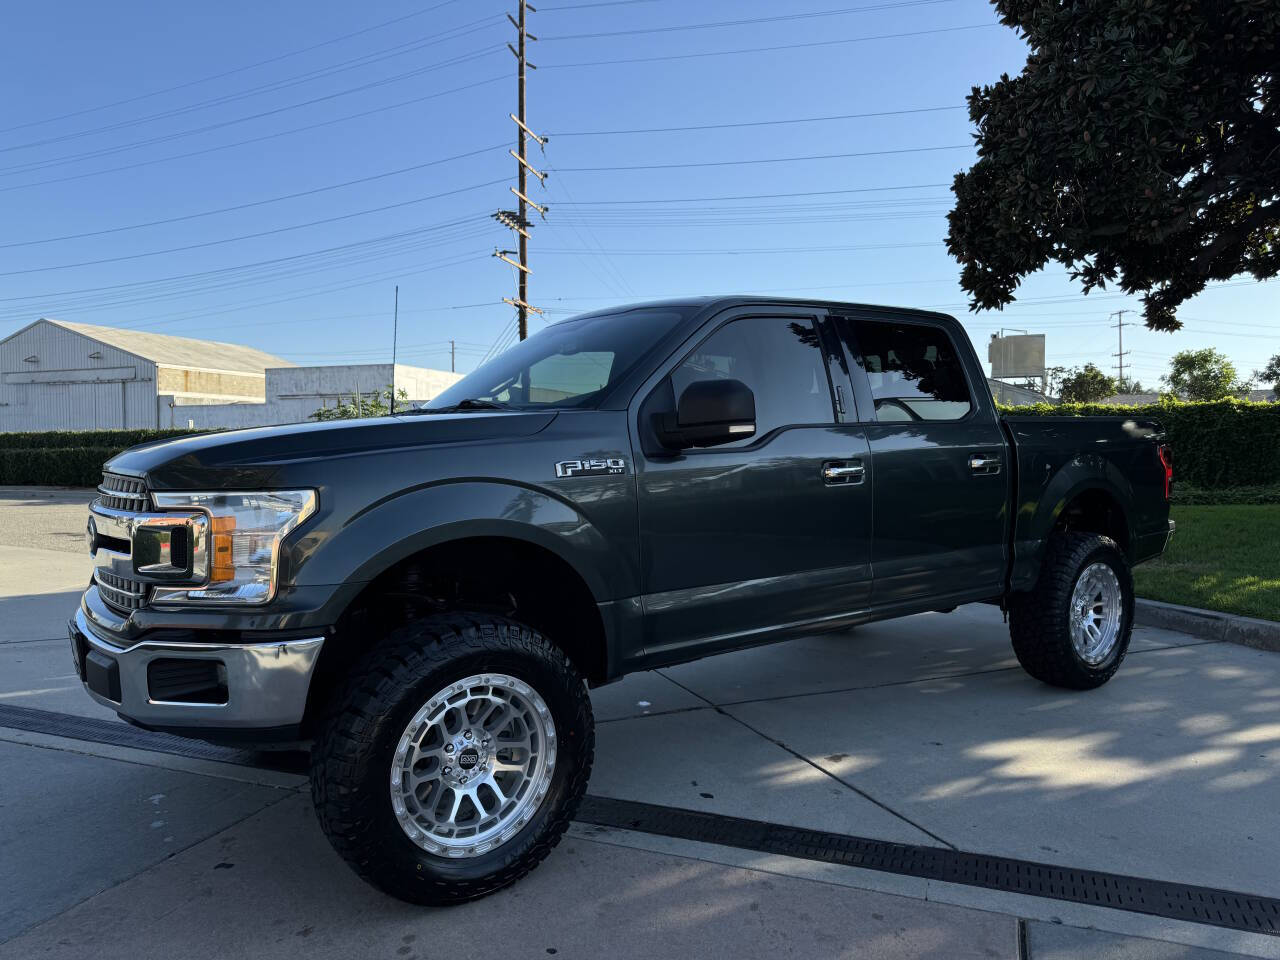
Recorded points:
(120,592)
(1174,901)
(118,492)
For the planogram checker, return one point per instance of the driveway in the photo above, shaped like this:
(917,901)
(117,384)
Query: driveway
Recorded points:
(921,732)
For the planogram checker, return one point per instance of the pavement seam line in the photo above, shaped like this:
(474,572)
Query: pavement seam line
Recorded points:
(823,770)
(14,736)
(870,686)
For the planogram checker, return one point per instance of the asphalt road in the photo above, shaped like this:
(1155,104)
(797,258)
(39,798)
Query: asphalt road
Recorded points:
(919,731)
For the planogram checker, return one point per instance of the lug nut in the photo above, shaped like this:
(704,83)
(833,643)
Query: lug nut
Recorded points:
(484,742)
(448,748)
(467,735)
(448,770)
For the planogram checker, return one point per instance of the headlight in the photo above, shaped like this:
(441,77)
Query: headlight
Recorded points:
(241,547)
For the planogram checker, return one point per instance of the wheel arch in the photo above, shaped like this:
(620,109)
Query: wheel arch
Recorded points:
(1088,494)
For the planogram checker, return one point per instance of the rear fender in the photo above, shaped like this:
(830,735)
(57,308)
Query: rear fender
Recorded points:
(1039,511)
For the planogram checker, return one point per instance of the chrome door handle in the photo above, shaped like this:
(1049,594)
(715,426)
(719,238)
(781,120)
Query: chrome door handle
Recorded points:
(843,471)
(984,463)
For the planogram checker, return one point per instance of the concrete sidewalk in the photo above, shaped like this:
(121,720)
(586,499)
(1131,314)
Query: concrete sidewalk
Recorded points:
(922,730)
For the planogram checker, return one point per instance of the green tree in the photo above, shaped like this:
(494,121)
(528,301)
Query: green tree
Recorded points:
(376,403)
(1129,385)
(1203,375)
(1086,384)
(1139,146)
(1270,374)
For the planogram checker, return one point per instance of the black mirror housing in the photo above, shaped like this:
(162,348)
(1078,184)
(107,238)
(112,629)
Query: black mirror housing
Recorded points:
(709,412)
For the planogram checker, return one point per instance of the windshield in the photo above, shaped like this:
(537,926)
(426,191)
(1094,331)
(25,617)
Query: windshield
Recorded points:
(568,364)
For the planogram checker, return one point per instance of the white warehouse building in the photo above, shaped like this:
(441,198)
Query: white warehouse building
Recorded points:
(56,375)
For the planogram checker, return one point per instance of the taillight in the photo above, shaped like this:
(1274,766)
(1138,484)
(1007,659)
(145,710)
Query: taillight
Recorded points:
(1166,461)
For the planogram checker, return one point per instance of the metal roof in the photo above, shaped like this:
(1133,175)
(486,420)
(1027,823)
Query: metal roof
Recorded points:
(178,351)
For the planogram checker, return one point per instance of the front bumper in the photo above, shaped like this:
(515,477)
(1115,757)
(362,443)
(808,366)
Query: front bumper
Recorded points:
(261,685)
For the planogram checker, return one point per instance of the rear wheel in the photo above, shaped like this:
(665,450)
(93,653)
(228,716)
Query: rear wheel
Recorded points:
(454,759)
(1073,629)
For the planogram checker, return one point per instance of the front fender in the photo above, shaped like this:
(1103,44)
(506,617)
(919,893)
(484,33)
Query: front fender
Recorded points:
(376,538)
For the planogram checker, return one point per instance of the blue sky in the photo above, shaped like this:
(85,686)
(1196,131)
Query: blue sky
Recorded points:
(119,115)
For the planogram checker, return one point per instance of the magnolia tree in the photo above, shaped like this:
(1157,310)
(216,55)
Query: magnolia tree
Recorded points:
(1139,146)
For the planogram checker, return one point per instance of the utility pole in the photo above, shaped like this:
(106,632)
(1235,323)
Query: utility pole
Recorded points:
(518,220)
(1122,353)
(453,347)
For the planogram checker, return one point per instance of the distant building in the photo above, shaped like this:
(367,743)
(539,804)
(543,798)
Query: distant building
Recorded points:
(56,375)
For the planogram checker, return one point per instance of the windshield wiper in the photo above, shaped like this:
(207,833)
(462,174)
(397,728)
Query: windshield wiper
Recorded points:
(470,403)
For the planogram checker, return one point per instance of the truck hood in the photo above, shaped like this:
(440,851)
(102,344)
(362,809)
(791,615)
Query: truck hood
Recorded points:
(244,459)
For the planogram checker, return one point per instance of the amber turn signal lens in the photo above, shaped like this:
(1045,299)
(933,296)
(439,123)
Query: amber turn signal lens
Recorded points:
(222,566)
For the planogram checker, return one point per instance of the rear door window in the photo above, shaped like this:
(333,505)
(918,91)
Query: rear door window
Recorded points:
(914,372)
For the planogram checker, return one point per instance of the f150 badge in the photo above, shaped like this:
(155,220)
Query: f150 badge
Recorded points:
(595,467)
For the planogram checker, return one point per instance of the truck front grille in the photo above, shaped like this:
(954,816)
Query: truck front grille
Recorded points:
(122,493)
(121,593)
(129,495)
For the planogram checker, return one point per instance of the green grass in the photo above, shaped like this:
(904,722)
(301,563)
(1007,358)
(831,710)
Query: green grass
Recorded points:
(1221,557)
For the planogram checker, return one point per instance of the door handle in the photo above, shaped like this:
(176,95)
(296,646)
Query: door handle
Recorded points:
(984,463)
(843,471)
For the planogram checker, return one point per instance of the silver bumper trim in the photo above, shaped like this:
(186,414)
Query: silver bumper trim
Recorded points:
(267,683)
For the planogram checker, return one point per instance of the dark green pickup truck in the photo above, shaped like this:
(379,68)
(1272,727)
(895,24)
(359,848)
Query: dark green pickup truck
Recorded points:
(427,597)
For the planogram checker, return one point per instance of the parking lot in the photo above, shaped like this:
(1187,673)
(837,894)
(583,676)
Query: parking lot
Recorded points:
(922,732)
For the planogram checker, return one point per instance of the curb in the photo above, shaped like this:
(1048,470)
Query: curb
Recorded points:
(1208,624)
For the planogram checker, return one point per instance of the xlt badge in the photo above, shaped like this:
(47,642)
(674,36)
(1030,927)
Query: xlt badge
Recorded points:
(595,467)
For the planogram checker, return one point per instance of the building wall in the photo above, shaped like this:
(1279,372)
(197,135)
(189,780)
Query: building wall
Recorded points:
(73,383)
(293,394)
(214,385)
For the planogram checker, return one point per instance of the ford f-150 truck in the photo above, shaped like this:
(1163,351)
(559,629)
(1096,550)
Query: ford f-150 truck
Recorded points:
(426,597)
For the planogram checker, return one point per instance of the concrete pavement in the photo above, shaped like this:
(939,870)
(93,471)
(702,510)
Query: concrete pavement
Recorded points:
(920,731)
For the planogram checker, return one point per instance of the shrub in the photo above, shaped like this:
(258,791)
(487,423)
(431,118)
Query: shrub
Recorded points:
(63,439)
(1216,444)
(54,466)
(68,458)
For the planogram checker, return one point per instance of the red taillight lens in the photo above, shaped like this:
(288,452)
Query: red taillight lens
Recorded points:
(1166,461)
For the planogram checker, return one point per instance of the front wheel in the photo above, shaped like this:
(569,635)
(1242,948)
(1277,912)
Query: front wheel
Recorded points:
(454,758)
(1073,629)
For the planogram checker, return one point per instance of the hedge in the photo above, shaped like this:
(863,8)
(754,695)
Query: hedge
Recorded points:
(1217,445)
(68,458)
(63,439)
(55,467)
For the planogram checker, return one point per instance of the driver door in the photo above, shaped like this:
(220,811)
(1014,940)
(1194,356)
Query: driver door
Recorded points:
(757,536)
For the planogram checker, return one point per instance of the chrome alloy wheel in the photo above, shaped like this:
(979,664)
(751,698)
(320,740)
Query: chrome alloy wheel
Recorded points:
(1096,609)
(473,765)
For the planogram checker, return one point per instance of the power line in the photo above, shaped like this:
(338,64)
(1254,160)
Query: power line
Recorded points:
(320,73)
(769,49)
(226,73)
(258,139)
(249,236)
(253,203)
(755,123)
(757,196)
(120,148)
(733,163)
(812,15)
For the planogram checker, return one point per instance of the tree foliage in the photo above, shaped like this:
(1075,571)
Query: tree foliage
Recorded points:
(1086,384)
(1139,146)
(1203,375)
(376,403)
(1270,374)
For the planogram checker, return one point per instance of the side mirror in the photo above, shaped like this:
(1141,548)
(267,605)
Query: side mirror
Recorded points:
(709,412)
